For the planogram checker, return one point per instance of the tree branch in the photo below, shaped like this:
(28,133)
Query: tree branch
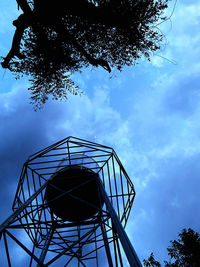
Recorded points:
(21,24)
(27,18)
(24,6)
(93,61)
(60,29)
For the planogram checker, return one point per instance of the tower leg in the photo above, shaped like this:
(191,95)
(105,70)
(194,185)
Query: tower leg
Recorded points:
(125,242)
(107,248)
(46,246)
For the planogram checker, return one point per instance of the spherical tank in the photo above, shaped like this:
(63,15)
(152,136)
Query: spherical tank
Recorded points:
(72,194)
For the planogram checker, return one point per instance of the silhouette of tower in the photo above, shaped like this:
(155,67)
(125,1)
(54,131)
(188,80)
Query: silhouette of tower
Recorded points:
(71,206)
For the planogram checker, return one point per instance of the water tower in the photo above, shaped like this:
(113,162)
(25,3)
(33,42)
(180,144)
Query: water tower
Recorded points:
(71,206)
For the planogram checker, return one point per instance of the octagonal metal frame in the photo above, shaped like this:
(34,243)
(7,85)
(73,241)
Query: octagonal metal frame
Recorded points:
(83,240)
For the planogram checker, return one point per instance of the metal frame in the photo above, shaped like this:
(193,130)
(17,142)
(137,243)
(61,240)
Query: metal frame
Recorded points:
(72,243)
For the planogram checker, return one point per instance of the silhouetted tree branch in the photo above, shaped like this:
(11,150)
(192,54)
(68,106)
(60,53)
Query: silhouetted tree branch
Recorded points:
(53,38)
(184,252)
(77,8)
(151,262)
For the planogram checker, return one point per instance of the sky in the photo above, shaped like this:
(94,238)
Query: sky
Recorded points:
(149,113)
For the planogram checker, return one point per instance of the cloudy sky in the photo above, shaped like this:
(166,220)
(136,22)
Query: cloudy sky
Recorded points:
(148,113)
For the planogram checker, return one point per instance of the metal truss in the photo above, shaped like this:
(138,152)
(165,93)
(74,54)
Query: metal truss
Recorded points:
(47,240)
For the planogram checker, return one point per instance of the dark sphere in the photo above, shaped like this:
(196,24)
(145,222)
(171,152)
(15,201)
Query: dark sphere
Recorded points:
(82,184)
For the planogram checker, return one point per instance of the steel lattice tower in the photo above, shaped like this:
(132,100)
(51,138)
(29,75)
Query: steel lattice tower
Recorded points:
(71,206)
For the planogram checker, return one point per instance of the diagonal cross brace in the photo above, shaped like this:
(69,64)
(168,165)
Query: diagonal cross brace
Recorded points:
(12,217)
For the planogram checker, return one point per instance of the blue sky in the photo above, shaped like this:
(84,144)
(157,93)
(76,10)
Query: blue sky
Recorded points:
(148,113)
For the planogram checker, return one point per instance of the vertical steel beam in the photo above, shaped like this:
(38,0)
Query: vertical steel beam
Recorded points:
(46,246)
(71,246)
(7,251)
(119,253)
(107,248)
(126,244)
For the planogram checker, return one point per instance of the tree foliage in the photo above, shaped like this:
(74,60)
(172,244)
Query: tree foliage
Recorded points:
(183,252)
(54,39)
(151,262)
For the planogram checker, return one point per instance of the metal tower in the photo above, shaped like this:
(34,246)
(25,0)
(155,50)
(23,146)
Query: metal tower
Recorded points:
(71,206)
